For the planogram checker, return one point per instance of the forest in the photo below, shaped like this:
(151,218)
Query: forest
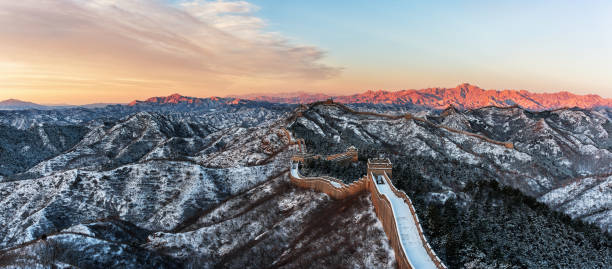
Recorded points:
(501,227)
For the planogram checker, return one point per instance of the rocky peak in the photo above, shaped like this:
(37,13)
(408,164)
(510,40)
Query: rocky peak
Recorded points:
(462,96)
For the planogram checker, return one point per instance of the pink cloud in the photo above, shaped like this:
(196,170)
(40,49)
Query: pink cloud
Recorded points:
(193,43)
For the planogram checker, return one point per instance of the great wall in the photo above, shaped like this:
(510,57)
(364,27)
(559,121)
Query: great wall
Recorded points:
(393,207)
(300,111)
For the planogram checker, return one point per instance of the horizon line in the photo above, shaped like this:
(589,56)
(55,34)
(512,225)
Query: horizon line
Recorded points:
(307,92)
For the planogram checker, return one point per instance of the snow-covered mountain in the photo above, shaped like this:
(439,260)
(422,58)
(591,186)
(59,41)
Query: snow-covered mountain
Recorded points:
(550,150)
(145,184)
(165,185)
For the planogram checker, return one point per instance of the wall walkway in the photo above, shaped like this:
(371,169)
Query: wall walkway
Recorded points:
(335,188)
(393,208)
(402,226)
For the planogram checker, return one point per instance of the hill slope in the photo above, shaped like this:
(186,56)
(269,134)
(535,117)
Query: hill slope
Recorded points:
(132,187)
(550,150)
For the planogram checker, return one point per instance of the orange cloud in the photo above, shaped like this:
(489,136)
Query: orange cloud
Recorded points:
(104,50)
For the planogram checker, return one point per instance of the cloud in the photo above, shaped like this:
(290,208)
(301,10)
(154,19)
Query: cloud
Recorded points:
(191,44)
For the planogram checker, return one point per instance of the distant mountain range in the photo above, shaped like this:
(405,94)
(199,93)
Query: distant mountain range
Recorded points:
(287,98)
(14,104)
(177,99)
(464,96)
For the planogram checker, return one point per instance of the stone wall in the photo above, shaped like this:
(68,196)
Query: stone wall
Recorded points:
(382,205)
(350,154)
(324,185)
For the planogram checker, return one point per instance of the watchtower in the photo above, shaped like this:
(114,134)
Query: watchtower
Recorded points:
(378,166)
(352,153)
(302,157)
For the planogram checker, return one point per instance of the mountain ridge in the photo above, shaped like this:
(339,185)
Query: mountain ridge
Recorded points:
(178,99)
(16,104)
(10,104)
(463,96)
(166,186)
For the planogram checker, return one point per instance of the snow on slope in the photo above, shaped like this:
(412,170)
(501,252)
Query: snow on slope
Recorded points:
(163,173)
(549,148)
(589,199)
(154,195)
(156,189)
(283,226)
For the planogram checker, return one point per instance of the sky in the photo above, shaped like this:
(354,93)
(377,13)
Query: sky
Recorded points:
(77,51)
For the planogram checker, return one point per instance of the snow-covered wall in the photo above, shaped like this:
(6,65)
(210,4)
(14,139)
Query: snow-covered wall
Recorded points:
(335,188)
(417,256)
(384,210)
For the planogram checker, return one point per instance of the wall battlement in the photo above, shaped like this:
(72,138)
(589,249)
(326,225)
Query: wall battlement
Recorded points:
(382,205)
(379,166)
(351,154)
